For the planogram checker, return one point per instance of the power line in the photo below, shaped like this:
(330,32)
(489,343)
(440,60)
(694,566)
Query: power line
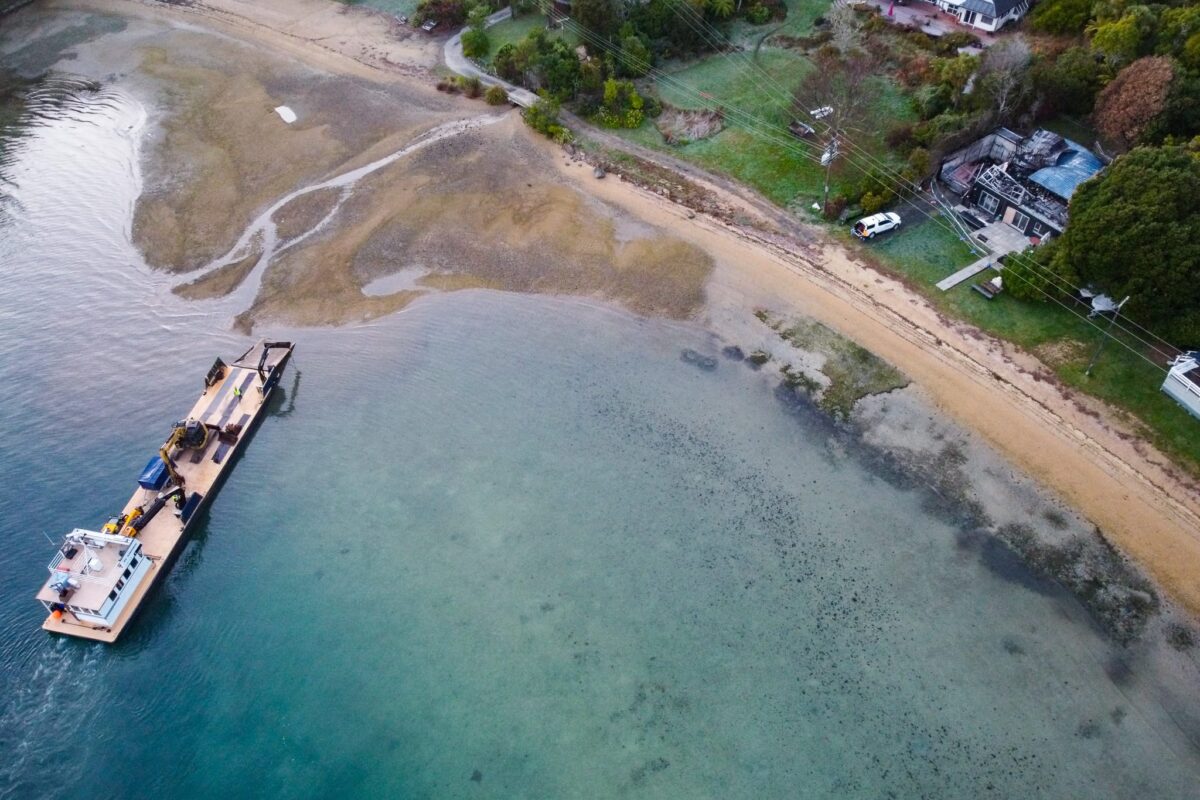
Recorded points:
(714,38)
(746,120)
(765,130)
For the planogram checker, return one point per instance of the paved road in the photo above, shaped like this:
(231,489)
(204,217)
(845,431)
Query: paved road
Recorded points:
(452,52)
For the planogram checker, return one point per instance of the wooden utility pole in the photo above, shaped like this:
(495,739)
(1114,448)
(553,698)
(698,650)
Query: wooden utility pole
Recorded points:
(827,158)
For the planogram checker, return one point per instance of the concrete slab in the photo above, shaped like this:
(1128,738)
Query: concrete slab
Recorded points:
(1001,238)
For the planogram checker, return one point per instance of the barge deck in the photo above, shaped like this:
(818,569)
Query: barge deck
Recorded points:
(99,579)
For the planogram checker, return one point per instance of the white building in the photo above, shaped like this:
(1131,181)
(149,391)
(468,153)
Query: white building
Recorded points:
(986,15)
(1183,382)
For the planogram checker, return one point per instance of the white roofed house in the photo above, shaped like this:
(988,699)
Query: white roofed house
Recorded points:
(985,15)
(1183,382)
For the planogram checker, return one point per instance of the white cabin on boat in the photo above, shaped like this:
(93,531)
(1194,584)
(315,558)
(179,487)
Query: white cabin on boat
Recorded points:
(1183,382)
(93,575)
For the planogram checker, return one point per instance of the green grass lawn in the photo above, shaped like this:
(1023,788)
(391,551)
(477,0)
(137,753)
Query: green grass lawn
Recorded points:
(925,250)
(512,31)
(761,154)
(799,22)
(1065,343)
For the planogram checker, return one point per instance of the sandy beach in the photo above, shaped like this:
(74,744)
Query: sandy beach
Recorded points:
(630,246)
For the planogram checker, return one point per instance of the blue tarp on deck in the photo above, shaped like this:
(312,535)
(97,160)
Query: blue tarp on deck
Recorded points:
(154,476)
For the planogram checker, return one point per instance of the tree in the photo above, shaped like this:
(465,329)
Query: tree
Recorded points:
(1068,83)
(635,57)
(673,30)
(721,9)
(1135,230)
(1124,39)
(1002,74)
(1061,17)
(508,64)
(1133,100)
(842,83)
(1179,34)
(446,12)
(557,69)
(1180,119)
(477,17)
(602,17)
(843,28)
(955,74)
(475,44)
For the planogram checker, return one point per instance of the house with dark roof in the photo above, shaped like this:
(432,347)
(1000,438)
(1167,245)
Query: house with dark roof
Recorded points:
(1025,181)
(985,15)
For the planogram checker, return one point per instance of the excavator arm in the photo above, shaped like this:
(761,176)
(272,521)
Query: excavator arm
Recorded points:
(164,453)
(189,434)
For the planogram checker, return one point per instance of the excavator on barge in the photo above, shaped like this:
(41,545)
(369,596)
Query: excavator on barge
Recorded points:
(98,579)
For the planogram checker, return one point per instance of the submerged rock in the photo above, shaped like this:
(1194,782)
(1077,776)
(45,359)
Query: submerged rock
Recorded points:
(706,363)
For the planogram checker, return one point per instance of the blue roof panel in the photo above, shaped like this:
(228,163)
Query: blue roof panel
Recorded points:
(1074,166)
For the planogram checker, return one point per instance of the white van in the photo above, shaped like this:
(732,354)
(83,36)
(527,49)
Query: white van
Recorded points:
(867,227)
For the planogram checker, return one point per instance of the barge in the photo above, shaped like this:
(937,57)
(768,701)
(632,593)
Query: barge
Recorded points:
(99,579)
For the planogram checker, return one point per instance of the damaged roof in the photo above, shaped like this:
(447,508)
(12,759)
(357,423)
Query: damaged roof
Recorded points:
(1073,166)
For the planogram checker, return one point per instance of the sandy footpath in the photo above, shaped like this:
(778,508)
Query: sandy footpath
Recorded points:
(1074,445)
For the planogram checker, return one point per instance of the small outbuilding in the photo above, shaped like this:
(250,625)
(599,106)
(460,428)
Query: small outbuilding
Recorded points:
(1183,382)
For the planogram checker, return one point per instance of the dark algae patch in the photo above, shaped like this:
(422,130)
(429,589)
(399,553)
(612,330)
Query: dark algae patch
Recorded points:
(1117,596)
(853,371)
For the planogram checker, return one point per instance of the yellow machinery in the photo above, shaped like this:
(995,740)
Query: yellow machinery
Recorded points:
(188,435)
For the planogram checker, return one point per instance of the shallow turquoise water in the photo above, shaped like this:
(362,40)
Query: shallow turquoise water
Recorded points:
(506,547)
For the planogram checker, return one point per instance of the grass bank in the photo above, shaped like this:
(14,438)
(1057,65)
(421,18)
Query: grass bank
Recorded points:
(1057,335)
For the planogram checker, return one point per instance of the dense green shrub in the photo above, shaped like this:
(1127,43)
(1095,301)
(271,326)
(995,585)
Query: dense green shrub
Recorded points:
(758,14)
(621,107)
(543,118)
(1068,83)
(508,65)
(873,202)
(1061,17)
(475,43)
(1032,276)
(445,12)
(495,96)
